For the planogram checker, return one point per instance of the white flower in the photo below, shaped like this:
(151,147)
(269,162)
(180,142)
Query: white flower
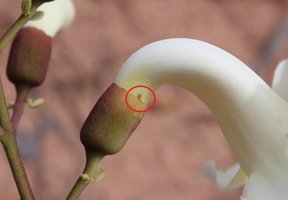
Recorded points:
(58,15)
(253,117)
(280,79)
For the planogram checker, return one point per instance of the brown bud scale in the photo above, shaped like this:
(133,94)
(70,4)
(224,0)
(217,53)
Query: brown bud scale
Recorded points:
(29,57)
(111,122)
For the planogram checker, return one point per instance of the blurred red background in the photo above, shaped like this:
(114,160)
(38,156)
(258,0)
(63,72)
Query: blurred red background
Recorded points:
(164,156)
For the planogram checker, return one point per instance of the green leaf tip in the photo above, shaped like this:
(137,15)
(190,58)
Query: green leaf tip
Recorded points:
(30,103)
(10,104)
(37,15)
(36,103)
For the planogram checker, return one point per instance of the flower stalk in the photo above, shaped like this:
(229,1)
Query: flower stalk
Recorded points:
(25,78)
(12,31)
(23,19)
(12,152)
(19,106)
(105,131)
(87,176)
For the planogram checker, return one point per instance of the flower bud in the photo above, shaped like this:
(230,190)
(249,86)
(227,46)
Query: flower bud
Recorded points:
(26,7)
(31,49)
(111,121)
(29,57)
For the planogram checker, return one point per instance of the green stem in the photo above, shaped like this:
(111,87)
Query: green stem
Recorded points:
(19,106)
(2,133)
(93,160)
(9,141)
(17,168)
(4,119)
(12,31)
(4,115)
(10,145)
(18,25)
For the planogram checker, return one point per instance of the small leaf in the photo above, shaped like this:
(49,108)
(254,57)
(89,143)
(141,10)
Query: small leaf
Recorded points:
(10,104)
(99,175)
(29,102)
(37,15)
(36,103)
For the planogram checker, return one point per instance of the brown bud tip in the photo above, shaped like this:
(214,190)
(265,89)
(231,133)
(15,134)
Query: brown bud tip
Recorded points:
(111,122)
(29,57)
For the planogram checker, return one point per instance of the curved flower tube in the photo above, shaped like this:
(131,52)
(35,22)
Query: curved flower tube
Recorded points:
(222,178)
(253,118)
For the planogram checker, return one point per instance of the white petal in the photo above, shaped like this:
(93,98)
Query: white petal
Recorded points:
(280,79)
(58,15)
(266,185)
(258,188)
(231,178)
(253,118)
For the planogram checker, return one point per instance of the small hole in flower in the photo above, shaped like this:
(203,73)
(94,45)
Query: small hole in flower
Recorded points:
(139,96)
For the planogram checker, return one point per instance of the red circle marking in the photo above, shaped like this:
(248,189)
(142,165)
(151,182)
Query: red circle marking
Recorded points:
(138,86)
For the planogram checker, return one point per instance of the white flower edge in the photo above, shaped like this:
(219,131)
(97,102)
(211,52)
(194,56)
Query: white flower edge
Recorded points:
(280,79)
(58,15)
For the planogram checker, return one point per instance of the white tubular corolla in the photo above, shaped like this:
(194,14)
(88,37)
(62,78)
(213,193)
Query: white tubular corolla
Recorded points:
(253,118)
(280,79)
(58,15)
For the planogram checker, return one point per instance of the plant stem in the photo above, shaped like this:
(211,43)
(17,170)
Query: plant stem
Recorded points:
(2,133)
(4,119)
(18,24)
(92,162)
(17,168)
(9,141)
(19,106)
(10,145)
(12,31)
